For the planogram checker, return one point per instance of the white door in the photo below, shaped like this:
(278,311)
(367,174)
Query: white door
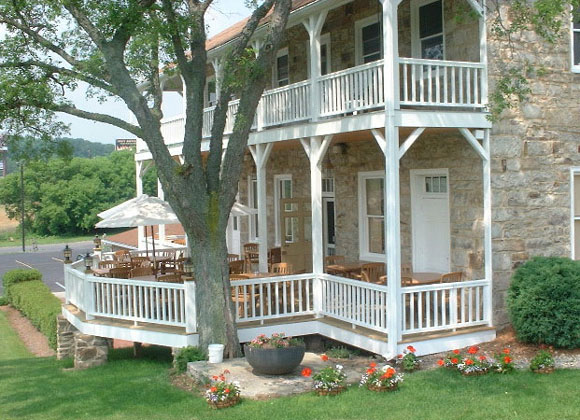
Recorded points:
(430,220)
(233,235)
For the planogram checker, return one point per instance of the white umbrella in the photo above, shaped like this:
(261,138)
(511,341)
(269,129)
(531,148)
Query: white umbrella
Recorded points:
(106,213)
(239,209)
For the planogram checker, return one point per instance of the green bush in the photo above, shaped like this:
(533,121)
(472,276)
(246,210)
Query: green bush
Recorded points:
(18,275)
(37,303)
(544,302)
(186,355)
(4,301)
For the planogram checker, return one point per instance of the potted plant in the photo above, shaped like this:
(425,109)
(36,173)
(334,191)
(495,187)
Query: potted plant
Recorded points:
(222,394)
(275,355)
(381,379)
(504,362)
(330,381)
(408,360)
(543,362)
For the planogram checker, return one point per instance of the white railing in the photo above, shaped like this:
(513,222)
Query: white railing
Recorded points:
(273,297)
(442,83)
(74,284)
(208,114)
(173,129)
(355,89)
(444,306)
(138,301)
(286,104)
(355,302)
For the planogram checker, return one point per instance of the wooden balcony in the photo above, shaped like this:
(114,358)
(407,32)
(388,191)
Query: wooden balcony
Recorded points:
(424,84)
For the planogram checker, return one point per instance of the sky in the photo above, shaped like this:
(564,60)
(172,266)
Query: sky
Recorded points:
(222,14)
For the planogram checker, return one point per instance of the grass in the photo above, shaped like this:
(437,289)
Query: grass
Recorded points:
(125,388)
(5,239)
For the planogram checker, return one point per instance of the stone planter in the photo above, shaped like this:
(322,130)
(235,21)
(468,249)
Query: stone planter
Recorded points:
(333,391)
(277,361)
(230,402)
(545,370)
(383,388)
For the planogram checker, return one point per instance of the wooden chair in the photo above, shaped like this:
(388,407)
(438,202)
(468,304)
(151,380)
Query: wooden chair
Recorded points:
(333,260)
(238,276)
(274,256)
(406,281)
(120,272)
(453,277)
(251,255)
(233,257)
(108,264)
(141,271)
(122,255)
(281,268)
(406,270)
(371,272)
(140,262)
(170,278)
(237,266)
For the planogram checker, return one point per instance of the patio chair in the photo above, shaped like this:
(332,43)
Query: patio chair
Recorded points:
(406,281)
(242,298)
(122,255)
(274,256)
(233,257)
(281,268)
(453,277)
(371,272)
(108,264)
(251,256)
(170,278)
(237,266)
(406,270)
(333,260)
(120,272)
(141,271)
(140,262)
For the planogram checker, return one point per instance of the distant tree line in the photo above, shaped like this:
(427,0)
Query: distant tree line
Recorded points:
(63,196)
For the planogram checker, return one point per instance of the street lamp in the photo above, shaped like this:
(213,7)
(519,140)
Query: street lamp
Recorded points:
(67,252)
(97,242)
(88,263)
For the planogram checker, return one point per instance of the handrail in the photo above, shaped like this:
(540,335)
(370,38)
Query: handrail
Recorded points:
(446,63)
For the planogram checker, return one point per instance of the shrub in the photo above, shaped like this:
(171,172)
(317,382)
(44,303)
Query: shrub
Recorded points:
(338,353)
(544,302)
(37,303)
(186,355)
(19,275)
(4,301)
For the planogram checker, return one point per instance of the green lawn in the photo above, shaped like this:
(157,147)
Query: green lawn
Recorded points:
(46,240)
(34,388)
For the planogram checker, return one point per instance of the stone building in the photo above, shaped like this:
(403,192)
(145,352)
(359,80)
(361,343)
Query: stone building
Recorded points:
(373,142)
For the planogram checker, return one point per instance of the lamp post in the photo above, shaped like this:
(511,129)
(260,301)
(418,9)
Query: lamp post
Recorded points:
(88,263)
(67,252)
(188,266)
(97,242)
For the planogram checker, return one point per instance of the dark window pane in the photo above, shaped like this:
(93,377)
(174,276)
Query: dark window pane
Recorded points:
(576,19)
(432,48)
(430,19)
(576,48)
(330,222)
(282,70)
(324,59)
(371,42)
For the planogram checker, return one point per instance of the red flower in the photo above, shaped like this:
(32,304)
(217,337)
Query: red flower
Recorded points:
(215,378)
(371,371)
(306,372)
(399,356)
(454,360)
(222,378)
(213,389)
(456,351)
(506,351)
(227,390)
(482,358)
(390,372)
(507,359)
(324,357)
(373,365)
(472,350)
(468,361)
(440,362)
(226,372)
(411,349)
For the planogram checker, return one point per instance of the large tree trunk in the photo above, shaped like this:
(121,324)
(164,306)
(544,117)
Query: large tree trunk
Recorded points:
(214,306)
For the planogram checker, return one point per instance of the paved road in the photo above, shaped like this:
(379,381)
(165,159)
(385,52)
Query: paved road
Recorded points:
(48,259)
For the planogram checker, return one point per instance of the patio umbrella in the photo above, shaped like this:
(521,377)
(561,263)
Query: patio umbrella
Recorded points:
(238,209)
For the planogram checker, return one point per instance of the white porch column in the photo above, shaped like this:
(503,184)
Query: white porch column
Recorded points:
(257,46)
(488,304)
(261,153)
(391,150)
(217,64)
(139,165)
(483,52)
(313,25)
(161,195)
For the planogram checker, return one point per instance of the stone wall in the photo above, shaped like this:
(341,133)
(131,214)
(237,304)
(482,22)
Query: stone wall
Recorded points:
(87,350)
(533,149)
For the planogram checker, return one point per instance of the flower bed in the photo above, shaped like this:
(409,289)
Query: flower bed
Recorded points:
(381,379)
(222,394)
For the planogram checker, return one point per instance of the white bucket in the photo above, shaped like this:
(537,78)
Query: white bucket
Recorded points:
(216,353)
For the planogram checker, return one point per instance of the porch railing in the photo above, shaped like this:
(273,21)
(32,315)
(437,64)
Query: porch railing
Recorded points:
(286,104)
(442,83)
(273,297)
(355,302)
(444,306)
(173,129)
(74,283)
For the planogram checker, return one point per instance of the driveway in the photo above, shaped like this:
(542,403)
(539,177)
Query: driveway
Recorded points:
(47,259)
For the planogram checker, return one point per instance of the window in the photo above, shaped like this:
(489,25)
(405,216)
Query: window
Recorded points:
(282,189)
(371,215)
(575,213)
(210,92)
(281,69)
(324,55)
(575,50)
(253,203)
(428,36)
(436,184)
(368,35)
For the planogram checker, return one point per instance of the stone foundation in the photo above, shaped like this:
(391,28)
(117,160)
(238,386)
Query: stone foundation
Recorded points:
(87,350)
(65,338)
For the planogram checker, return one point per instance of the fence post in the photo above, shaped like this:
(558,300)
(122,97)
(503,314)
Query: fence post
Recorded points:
(89,298)
(190,307)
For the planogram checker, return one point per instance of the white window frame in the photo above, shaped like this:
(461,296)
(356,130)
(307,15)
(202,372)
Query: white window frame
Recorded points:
(574,171)
(252,228)
(358,27)
(324,40)
(364,253)
(281,53)
(415,37)
(574,67)
(277,179)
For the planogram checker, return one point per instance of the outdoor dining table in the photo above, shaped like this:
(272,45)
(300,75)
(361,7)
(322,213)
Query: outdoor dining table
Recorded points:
(101,272)
(346,269)
(424,278)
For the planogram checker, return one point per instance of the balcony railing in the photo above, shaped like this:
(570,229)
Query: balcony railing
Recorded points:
(423,83)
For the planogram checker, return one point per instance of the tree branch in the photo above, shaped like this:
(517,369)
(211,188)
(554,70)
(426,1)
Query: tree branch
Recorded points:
(94,116)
